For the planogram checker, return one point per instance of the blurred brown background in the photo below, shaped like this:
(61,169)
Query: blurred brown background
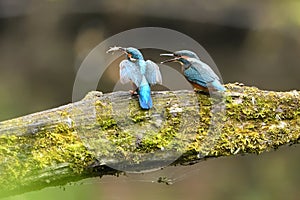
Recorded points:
(43,43)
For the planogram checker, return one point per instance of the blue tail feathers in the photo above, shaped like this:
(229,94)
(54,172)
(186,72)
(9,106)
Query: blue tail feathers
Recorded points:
(218,86)
(145,100)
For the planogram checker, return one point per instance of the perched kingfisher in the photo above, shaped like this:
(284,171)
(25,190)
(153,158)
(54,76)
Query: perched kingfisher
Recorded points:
(141,73)
(198,73)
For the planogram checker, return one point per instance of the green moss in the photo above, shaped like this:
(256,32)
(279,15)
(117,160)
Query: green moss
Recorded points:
(128,141)
(23,156)
(254,122)
(257,123)
(138,115)
(61,145)
(104,113)
(167,137)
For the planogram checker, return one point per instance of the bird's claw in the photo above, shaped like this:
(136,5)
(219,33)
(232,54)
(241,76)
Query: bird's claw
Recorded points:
(133,92)
(199,91)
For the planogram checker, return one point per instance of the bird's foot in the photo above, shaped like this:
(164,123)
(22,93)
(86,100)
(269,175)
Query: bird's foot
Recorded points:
(200,91)
(133,92)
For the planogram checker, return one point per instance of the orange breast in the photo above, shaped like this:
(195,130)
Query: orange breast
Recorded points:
(199,87)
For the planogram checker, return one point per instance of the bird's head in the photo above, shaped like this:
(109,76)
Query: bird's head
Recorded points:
(182,56)
(133,54)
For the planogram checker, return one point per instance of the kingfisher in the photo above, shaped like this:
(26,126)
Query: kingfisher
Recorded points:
(142,74)
(198,73)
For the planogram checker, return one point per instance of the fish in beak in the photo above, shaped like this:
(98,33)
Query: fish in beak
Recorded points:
(115,48)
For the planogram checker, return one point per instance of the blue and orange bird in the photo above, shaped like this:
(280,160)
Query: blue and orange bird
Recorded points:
(141,73)
(198,73)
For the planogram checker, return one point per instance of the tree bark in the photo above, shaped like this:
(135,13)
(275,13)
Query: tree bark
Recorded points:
(106,134)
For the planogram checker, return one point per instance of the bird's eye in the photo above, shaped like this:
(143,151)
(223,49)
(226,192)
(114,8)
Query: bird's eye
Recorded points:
(131,58)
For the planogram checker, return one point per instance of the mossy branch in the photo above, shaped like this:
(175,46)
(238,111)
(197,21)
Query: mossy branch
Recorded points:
(104,134)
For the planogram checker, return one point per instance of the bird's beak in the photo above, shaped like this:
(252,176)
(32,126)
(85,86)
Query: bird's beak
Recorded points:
(123,49)
(167,54)
(169,60)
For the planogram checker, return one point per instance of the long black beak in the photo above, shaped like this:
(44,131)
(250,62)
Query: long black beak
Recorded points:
(123,49)
(169,60)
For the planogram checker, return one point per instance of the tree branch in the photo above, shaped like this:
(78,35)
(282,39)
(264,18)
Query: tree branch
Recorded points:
(104,134)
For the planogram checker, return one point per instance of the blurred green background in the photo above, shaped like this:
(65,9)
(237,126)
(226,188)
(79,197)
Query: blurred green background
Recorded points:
(43,43)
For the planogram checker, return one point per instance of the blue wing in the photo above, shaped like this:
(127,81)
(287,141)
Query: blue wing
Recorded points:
(129,71)
(200,73)
(153,74)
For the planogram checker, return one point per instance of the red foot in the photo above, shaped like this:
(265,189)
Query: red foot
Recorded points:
(133,92)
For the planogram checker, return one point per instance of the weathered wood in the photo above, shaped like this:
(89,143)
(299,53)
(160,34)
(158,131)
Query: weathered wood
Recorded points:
(104,134)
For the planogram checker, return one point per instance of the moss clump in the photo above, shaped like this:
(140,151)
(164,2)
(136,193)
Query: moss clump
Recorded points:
(104,113)
(167,136)
(50,146)
(138,115)
(257,122)
(60,145)
(244,141)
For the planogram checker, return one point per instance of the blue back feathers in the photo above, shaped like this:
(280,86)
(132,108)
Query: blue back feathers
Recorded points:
(200,73)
